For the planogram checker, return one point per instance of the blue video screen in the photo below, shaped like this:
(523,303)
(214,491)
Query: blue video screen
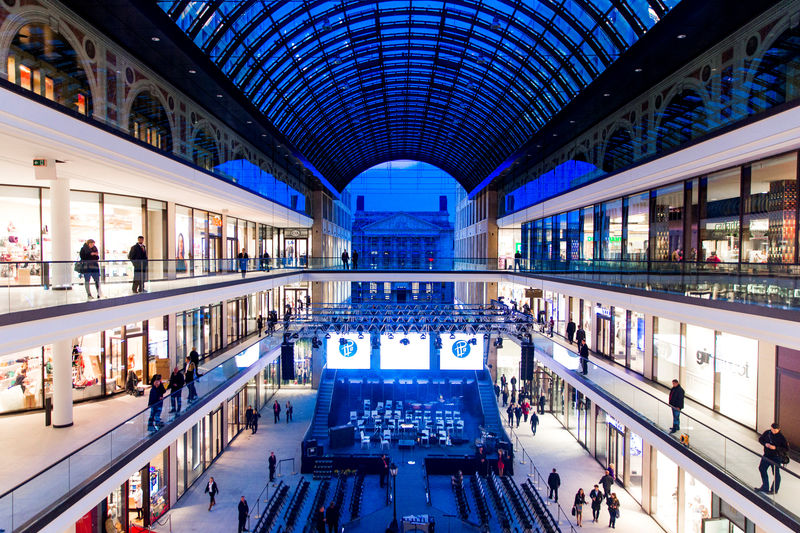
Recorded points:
(348,351)
(462,352)
(405,352)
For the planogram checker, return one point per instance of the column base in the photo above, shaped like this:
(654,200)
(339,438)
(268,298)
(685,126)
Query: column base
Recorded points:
(61,288)
(62,425)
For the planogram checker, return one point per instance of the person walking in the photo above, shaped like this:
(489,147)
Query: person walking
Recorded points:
(248,417)
(138,256)
(254,421)
(510,413)
(606,482)
(517,260)
(513,383)
(553,482)
(570,330)
(273,463)
(542,402)
(319,519)
(265,260)
(534,422)
(289,411)
(613,510)
(776,454)
(676,397)
(583,353)
(503,381)
(577,507)
(332,514)
(243,259)
(191,371)
(345,259)
(483,464)
(597,501)
(176,383)
(501,465)
(195,357)
(518,413)
(272,319)
(551,326)
(154,402)
(526,410)
(212,490)
(244,510)
(497,392)
(260,324)
(384,474)
(90,267)
(354,259)
(276,410)
(580,335)
(505,396)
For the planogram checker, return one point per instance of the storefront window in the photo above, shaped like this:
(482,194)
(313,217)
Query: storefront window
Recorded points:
(155,239)
(697,504)
(159,485)
(587,231)
(611,230)
(719,225)
(636,342)
(183,238)
(84,216)
(200,242)
(668,345)
(664,495)
(638,227)
(601,437)
(666,228)
(123,222)
(87,373)
(21,380)
(158,347)
(737,369)
(116,511)
(768,233)
(586,323)
(20,235)
(635,457)
(700,364)
(620,335)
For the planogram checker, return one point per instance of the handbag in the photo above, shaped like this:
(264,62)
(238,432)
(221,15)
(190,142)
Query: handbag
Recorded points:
(79,267)
(573,510)
(617,512)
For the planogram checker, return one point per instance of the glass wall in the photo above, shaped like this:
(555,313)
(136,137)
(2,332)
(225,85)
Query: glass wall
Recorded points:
(697,504)
(719,217)
(770,211)
(668,345)
(637,227)
(664,492)
(699,380)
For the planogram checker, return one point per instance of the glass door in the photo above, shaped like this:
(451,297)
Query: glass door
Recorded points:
(116,367)
(603,345)
(616,452)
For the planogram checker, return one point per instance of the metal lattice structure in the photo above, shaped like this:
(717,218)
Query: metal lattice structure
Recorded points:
(457,84)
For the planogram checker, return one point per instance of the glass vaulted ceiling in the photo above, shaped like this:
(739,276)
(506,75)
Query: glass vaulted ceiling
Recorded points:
(458,84)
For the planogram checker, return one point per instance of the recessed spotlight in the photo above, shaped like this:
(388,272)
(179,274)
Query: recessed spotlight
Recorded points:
(682,36)
(572,122)
(555,135)
(155,39)
(263,134)
(249,121)
(606,94)
(637,69)
(219,96)
(192,71)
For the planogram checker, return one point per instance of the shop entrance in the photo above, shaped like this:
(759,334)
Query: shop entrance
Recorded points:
(616,450)
(604,343)
(296,298)
(295,251)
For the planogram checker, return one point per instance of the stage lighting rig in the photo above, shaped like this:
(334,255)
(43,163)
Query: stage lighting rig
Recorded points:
(315,343)
(342,341)
(498,343)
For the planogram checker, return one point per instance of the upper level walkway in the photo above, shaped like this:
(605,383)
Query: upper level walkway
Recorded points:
(719,445)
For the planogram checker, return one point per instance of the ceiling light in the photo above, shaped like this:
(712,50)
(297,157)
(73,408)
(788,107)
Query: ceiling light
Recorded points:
(637,69)
(249,121)
(192,71)
(606,94)
(572,122)
(155,39)
(219,96)
(682,36)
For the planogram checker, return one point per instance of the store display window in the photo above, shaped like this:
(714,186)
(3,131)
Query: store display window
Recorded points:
(200,242)
(21,377)
(697,504)
(84,216)
(635,456)
(123,222)
(666,227)
(20,236)
(737,370)
(668,350)
(138,502)
(770,211)
(638,227)
(700,361)
(719,224)
(636,342)
(587,233)
(611,230)
(157,347)
(664,495)
(586,322)
(116,511)
(183,239)
(159,485)
(87,370)
(620,336)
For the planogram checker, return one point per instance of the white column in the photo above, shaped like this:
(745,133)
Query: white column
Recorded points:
(60,273)
(62,383)
(649,322)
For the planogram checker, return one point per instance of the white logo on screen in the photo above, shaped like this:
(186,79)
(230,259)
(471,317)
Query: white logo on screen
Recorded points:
(348,349)
(461,349)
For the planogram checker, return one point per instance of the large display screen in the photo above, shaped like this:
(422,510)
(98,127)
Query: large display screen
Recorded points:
(405,352)
(348,351)
(464,352)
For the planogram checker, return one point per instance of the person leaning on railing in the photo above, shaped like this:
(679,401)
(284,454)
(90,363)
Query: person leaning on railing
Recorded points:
(776,454)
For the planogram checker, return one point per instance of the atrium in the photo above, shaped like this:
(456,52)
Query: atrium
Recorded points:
(399,265)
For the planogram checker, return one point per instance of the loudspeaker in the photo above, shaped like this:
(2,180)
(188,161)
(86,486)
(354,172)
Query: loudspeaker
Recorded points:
(287,361)
(526,366)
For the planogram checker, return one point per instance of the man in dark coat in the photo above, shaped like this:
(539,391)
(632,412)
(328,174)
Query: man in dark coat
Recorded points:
(176,382)
(385,462)
(319,519)
(138,256)
(273,462)
(606,482)
(345,259)
(332,514)
(553,482)
(597,501)
(154,402)
(570,330)
(244,510)
(676,395)
(276,410)
(542,402)
(248,417)
(583,353)
(260,324)
(534,422)
(580,335)
(354,260)
(776,449)
(89,266)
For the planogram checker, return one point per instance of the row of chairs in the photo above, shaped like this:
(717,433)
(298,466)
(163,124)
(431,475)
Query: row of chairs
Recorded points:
(517,503)
(319,499)
(299,496)
(457,483)
(479,495)
(544,517)
(358,492)
(274,505)
(500,504)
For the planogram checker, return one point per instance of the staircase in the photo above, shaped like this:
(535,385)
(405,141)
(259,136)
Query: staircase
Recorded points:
(323,406)
(491,415)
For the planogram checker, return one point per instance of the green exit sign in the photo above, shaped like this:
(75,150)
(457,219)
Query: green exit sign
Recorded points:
(40,162)
(518,247)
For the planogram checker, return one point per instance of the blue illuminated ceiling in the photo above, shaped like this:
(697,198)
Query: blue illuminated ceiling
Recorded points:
(457,84)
